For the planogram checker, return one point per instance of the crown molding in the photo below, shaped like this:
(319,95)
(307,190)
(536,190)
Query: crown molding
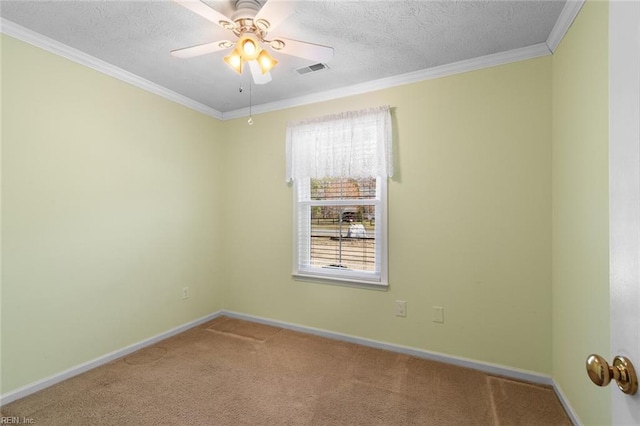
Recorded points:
(23,34)
(501,58)
(566,18)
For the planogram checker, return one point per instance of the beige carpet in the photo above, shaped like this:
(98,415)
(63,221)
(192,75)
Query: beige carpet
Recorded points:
(233,372)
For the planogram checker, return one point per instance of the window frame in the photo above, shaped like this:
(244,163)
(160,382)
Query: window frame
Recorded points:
(376,280)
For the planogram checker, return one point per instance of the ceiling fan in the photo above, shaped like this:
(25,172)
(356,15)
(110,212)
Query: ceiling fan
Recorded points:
(250,24)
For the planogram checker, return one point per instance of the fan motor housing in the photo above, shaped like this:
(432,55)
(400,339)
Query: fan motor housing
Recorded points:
(245,9)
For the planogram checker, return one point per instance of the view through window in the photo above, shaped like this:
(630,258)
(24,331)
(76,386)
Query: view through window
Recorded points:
(343,223)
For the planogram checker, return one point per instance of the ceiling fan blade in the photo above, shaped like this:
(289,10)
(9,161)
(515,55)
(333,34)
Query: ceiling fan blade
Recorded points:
(274,12)
(258,77)
(202,49)
(302,49)
(207,12)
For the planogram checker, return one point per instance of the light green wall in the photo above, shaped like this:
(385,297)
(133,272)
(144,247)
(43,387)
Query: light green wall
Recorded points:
(114,199)
(469,220)
(580,210)
(111,203)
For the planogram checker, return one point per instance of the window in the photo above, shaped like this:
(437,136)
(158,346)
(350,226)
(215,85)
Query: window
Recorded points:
(340,228)
(339,166)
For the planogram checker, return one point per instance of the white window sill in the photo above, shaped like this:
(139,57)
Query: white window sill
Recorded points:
(341,281)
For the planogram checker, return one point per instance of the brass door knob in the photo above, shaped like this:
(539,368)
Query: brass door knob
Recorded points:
(622,371)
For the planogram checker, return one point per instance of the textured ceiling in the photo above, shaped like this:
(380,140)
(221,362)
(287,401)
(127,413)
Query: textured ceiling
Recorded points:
(372,40)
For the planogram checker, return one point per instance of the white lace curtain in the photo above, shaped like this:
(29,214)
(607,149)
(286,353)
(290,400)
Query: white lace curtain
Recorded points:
(352,144)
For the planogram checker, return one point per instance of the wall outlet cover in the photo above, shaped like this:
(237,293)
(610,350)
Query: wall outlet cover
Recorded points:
(438,314)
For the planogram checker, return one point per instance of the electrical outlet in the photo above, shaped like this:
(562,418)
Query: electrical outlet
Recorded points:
(185,292)
(438,313)
(401,308)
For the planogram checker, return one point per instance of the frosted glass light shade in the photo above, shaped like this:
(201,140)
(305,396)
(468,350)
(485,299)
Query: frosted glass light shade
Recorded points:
(248,47)
(266,61)
(235,61)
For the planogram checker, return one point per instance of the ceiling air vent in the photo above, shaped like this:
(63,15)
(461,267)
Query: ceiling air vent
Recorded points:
(311,68)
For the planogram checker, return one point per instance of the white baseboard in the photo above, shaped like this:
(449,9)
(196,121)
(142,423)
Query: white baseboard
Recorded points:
(565,403)
(79,369)
(494,369)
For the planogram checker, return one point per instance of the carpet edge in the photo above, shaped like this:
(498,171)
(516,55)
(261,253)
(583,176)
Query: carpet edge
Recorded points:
(573,416)
(489,368)
(36,386)
(485,367)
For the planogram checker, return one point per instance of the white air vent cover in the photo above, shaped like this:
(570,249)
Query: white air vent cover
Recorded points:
(311,68)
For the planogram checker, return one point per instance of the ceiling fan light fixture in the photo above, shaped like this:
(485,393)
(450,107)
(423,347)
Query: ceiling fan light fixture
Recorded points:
(266,61)
(235,61)
(249,48)
(250,23)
